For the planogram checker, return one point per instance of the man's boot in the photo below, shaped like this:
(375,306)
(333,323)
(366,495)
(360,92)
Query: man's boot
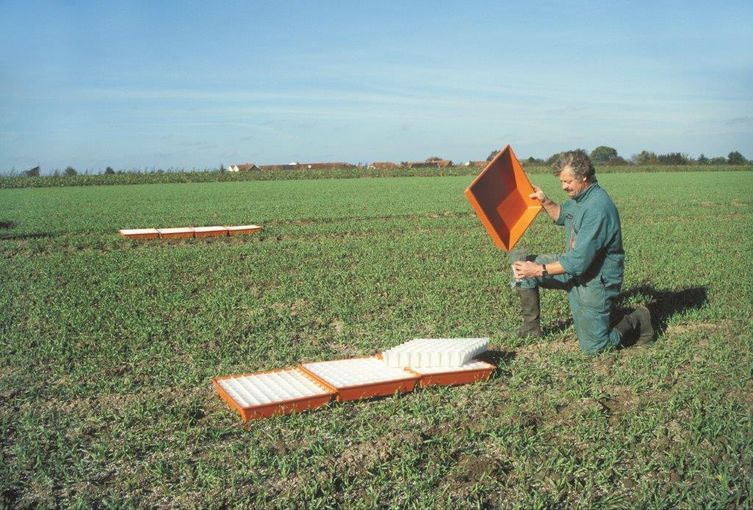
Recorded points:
(531,312)
(636,324)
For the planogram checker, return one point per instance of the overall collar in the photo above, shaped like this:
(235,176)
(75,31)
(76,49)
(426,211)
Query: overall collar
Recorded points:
(584,194)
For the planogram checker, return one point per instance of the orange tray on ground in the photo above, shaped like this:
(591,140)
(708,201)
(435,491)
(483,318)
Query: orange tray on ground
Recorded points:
(176,233)
(499,195)
(264,394)
(471,372)
(139,233)
(242,229)
(209,231)
(361,378)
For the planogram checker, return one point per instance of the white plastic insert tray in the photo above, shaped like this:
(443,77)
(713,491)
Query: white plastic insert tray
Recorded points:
(435,352)
(359,378)
(264,394)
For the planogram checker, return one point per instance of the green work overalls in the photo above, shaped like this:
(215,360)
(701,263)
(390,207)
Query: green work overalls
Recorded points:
(594,264)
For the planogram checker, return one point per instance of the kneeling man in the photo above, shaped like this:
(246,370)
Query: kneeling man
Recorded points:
(591,268)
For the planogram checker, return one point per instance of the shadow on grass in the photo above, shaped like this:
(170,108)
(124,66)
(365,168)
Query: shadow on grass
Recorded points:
(7,224)
(499,359)
(18,237)
(663,304)
(557,326)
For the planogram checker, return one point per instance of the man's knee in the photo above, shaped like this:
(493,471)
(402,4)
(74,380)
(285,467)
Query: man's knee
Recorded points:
(592,331)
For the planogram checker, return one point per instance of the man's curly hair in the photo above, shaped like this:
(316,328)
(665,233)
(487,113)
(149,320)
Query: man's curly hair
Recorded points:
(579,163)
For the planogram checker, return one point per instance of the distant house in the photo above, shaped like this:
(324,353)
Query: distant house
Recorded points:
(429,163)
(442,163)
(383,165)
(307,166)
(290,166)
(243,167)
(419,164)
(479,163)
(337,164)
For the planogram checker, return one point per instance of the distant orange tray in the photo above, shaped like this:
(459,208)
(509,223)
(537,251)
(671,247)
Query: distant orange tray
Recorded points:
(187,232)
(499,195)
(445,376)
(242,229)
(209,231)
(139,233)
(264,394)
(361,378)
(176,233)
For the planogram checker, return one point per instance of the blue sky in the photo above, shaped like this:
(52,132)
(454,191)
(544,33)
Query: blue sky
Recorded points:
(196,84)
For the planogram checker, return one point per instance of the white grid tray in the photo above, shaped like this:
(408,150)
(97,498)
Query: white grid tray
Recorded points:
(435,352)
(277,392)
(361,377)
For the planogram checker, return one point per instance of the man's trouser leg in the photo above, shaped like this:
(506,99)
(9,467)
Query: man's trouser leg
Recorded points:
(528,291)
(591,306)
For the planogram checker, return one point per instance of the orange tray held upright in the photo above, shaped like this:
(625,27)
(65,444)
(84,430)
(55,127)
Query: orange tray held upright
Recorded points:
(499,195)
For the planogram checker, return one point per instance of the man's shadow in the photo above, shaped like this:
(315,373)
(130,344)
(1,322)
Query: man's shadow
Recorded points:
(499,359)
(663,304)
(10,224)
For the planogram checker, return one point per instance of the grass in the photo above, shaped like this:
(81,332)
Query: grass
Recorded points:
(108,348)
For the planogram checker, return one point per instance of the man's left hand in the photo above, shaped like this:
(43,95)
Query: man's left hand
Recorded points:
(526,269)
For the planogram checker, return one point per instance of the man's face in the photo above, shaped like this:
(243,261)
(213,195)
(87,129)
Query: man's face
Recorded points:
(571,184)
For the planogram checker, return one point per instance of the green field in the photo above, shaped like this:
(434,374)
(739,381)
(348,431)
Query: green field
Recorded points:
(108,348)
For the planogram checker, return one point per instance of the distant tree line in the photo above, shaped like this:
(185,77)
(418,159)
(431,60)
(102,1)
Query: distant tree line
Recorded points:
(604,155)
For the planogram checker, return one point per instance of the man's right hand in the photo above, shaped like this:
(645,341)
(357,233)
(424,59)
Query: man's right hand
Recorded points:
(539,195)
(551,208)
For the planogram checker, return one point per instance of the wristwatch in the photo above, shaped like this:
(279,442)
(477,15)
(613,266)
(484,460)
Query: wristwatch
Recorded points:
(544,272)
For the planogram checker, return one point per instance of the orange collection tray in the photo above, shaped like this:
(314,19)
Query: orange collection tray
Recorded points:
(361,378)
(139,233)
(242,229)
(271,393)
(176,233)
(209,231)
(471,372)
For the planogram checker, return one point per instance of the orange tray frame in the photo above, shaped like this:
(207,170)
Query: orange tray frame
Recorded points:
(275,409)
(250,229)
(369,390)
(499,195)
(454,377)
(220,232)
(182,233)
